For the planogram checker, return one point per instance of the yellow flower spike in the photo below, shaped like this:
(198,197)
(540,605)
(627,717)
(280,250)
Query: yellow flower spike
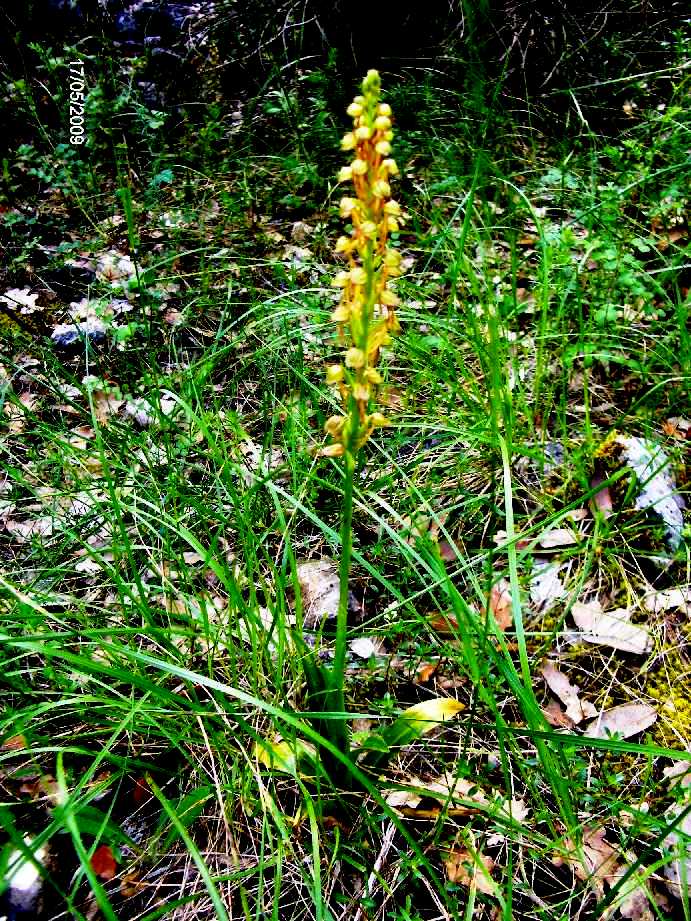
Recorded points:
(365,314)
(355,358)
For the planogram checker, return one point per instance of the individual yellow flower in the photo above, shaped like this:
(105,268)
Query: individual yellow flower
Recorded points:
(355,358)
(334,374)
(381,188)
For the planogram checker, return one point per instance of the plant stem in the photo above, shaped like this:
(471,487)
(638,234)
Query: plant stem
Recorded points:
(337,677)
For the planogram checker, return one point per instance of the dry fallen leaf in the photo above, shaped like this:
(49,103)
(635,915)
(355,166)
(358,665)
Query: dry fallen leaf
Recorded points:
(463,869)
(676,427)
(602,500)
(21,298)
(678,871)
(103,863)
(546,587)
(320,589)
(459,797)
(598,864)
(558,537)
(425,672)
(667,600)
(500,604)
(625,720)
(364,647)
(556,717)
(559,684)
(611,628)
(443,623)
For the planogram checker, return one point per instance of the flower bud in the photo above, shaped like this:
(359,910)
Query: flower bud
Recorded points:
(364,133)
(360,100)
(359,167)
(383,148)
(384,109)
(389,299)
(382,123)
(334,374)
(347,206)
(373,376)
(340,280)
(355,358)
(348,141)
(372,81)
(354,109)
(334,425)
(345,174)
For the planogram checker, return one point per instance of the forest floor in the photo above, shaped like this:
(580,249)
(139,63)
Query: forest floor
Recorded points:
(169,534)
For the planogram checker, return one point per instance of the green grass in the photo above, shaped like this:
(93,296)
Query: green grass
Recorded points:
(151,635)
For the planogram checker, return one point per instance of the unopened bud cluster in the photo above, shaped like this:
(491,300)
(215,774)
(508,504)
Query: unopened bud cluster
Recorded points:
(365,313)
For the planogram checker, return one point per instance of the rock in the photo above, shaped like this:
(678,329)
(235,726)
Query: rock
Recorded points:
(68,335)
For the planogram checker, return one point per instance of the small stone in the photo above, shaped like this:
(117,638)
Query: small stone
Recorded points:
(69,334)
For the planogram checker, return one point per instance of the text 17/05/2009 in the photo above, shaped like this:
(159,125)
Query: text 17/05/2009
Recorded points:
(76,86)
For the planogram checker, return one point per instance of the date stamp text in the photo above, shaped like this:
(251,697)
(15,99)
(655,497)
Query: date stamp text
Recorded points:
(76,90)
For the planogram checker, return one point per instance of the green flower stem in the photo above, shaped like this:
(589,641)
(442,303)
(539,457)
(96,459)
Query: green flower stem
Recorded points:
(339,732)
